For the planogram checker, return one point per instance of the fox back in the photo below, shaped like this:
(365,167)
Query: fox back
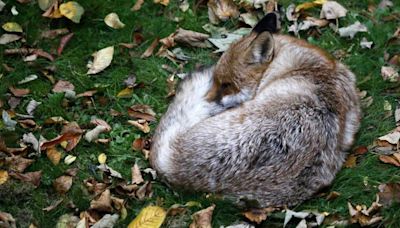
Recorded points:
(270,123)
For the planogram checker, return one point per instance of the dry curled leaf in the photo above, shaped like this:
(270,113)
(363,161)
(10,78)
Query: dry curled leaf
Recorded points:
(364,216)
(138,5)
(332,10)
(8,38)
(136,175)
(102,59)
(162,2)
(53,11)
(141,111)
(103,202)
(54,155)
(191,38)
(106,221)
(7,220)
(3,176)
(63,86)
(51,34)
(389,159)
(62,184)
(351,30)
(351,161)
(53,205)
(63,42)
(113,21)
(94,133)
(149,217)
(143,126)
(18,163)
(19,92)
(149,51)
(389,73)
(202,218)
(30,177)
(221,10)
(389,193)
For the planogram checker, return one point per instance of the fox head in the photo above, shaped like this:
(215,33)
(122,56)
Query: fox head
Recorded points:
(241,67)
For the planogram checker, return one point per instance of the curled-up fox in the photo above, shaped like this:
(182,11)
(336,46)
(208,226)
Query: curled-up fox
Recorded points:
(271,122)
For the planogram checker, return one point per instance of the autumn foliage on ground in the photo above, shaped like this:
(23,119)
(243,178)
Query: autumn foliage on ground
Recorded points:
(83,84)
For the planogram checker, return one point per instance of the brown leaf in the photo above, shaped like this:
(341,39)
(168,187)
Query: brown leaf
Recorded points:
(88,93)
(51,34)
(136,175)
(144,191)
(258,215)
(221,10)
(73,134)
(53,11)
(63,86)
(202,218)
(191,38)
(18,163)
(54,155)
(30,177)
(351,161)
(389,193)
(3,176)
(137,5)
(72,172)
(149,51)
(138,144)
(7,220)
(364,216)
(100,122)
(389,159)
(53,205)
(63,42)
(103,202)
(127,189)
(62,184)
(332,195)
(360,150)
(162,2)
(144,127)
(27,123)
(19,92)
(140,111)
(94,187)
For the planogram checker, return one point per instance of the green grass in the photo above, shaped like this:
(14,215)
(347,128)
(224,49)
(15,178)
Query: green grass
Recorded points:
(358,184)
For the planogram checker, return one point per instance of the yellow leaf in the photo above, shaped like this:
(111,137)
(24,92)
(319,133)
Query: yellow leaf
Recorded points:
(162,2)
(102,59)
(113,21)
(54,155)
(64,144)
(3,176)
(102,158)
(72,10)
(149,217)
(12,27)
(309,5)
(45,4)
(127,92)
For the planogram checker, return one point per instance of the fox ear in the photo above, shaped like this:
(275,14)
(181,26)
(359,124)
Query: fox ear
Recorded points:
(269,22)
(261,49)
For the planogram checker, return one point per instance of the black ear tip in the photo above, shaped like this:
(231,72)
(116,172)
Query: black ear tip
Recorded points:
(269,22)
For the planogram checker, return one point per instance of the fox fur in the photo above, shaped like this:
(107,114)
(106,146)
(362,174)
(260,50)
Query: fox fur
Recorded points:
(270,123)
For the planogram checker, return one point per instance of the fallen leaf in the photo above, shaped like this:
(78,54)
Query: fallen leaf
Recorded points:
(2,4)
(107,169)
(45,4)
(113,21)
(102,59)
(249,18)
(106,221)
(18,163)
(88,93)
(12,27)
(144,191)
(94,187)
(162,2)
(385,4)
(62,86)
(389,193)
(332,195)
(67,221)
(53,206)
(365,216)
(184,5)
(31,107)
(72,10)
(351,161)
(63,42)
(72,172)
(141,111)
(309,5)
(360,150)
(53,11)
(221,10)
(55,120)
(8,38)
(51,34)
(31,139)
(136,175)
(364,43)
(202,218)
(19,92)
(191,38)
(7,121)
(103,202)
(351,30)
(3,176)
(152,172)
(28,78)
(138,5)
(69,159)
(125,93)
(144,127)
(6,219)
(94,133)
(102,158)
(332,10)
(392,138)
(71,133)
(149,51)
(149,217)
(389,159)
(14,11)
(389,73)
(223,43)
(54,155)
(130,82)
(62,184)
(257,215)
(30,177)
